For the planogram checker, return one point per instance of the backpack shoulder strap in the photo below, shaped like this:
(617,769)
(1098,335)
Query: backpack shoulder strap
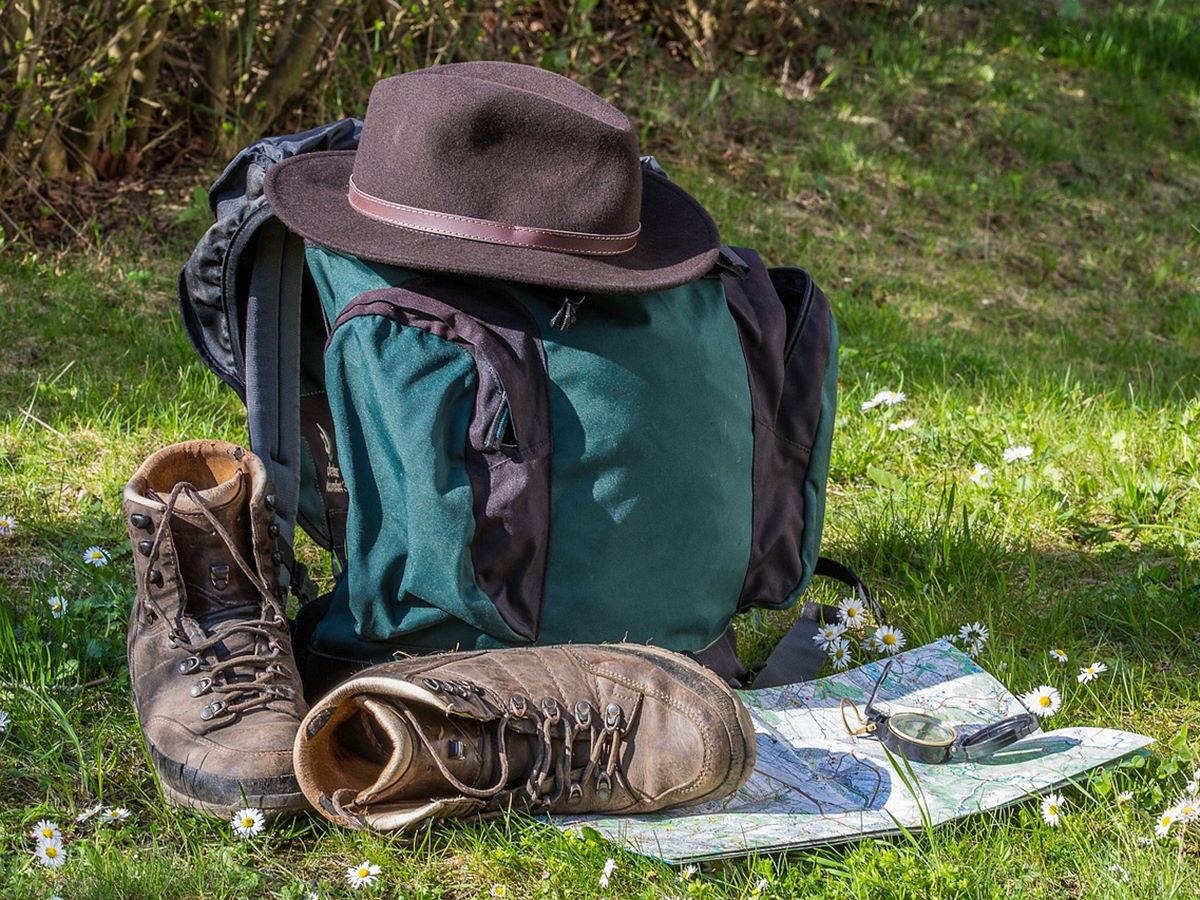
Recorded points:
(797,657)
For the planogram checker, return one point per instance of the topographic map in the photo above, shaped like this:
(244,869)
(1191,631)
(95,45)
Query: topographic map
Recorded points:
(814,783)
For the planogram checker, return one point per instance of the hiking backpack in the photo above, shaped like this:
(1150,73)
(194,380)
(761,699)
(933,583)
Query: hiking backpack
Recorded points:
(493,464)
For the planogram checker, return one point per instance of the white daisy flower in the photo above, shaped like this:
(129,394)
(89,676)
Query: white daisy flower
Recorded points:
(51,854)
(58,605)
(884,398)
(8,524)
(1092,672)
(4,720)
(95,556)
(981,475)
(761,885)
(248,822)
(888,639)
(1043,702)
(1058,654)
(827,634)
(1125,796)
(362,875)
(610,866)
(89,812)
(975,633)
(1013,454)
(1052,806)
(1188,808)
(688,872)
(902,425)
(114,815)
(839,653)
(45,831)
(851,613)
(1163,827)
(498,890)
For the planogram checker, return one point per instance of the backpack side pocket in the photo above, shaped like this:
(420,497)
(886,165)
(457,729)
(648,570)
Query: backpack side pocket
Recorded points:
(787,338)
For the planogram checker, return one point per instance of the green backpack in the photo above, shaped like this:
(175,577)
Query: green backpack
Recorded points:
(495,464)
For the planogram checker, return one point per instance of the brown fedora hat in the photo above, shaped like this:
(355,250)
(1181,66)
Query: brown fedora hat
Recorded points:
(500,170)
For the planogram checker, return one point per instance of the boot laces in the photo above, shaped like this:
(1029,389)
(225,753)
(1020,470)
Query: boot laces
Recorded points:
(266,664)
(557,767)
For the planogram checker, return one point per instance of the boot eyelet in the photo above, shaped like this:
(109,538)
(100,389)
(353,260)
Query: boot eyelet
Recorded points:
(603,787)
(155,577)
(273,530)
(269,502)
(576,794)
(213,710)
(144,546)
(201,687)
(550,708)
(612,715)
(189,665)
(141,520)
(583,712)
(519,705)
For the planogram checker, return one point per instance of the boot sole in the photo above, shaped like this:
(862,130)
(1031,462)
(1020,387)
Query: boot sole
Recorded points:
(720,688)
(220,796)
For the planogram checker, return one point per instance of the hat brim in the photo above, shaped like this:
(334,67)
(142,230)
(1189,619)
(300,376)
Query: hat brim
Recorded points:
(678,242)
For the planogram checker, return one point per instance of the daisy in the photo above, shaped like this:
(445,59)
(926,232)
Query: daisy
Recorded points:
(51,854)
(498,890)
(1092,672)
(1165,821)
(1052,806)
(45,831)
(248,822)
(1058,654)
(1042,702)
(95,556)
(761,885)
(362,875)
(1125,796)
(981,475)
(902,425)
(88,813)
(3,720)
(888,639)
(1012,454)
(58,606)
(115,815)
(610,866)
(688,872)
(975,633)
(8,524)
(827,634)
(884,398)
(839,653)
(851,613)
(1192,787)
(1188,808)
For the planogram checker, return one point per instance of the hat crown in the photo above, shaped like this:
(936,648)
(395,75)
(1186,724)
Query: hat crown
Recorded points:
(504,143)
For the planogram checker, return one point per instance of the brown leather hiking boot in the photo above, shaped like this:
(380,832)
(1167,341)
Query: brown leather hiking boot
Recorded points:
(614,728)
(210,652)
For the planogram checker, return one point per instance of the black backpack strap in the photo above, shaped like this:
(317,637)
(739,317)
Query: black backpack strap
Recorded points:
(273,378)
(797,657)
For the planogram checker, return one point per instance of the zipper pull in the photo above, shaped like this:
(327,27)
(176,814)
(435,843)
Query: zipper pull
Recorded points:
(565,317)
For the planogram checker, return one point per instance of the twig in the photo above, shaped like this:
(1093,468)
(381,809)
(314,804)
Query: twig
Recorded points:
(29,415)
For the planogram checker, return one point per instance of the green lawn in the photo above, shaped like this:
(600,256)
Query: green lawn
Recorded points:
(1003,212)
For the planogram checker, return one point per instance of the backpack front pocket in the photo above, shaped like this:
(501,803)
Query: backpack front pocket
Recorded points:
(440,398)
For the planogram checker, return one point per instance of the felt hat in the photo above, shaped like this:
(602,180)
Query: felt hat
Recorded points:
(499,170)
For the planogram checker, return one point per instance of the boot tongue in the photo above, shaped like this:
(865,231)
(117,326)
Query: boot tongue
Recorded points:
(215,584)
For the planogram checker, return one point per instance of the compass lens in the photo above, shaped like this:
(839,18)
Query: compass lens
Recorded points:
(922,729)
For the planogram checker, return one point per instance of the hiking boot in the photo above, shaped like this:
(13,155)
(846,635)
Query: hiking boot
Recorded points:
(210,651)
(614,728)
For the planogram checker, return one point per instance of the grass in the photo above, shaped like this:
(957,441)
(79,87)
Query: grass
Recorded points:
(1001,206)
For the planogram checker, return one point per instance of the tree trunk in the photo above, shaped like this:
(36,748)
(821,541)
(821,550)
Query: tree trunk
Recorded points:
(283,80)
(142,101)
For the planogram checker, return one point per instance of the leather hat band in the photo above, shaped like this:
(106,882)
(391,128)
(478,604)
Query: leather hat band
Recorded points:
(487,231)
